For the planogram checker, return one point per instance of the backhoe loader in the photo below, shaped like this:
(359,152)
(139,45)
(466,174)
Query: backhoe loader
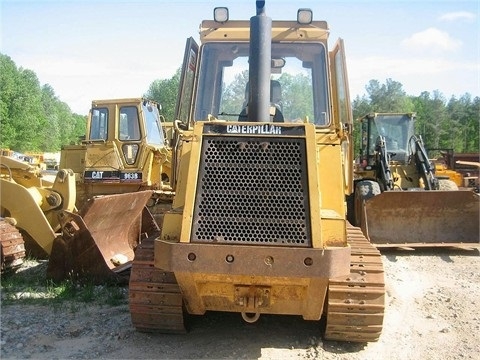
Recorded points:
(398,199)
(39,217)
(258,222)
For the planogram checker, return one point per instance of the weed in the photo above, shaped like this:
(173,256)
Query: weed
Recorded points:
(116,296)
(87,293)
(29,286)
(65,290)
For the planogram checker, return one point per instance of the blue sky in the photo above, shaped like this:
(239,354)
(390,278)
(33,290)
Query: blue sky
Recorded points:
(107,49)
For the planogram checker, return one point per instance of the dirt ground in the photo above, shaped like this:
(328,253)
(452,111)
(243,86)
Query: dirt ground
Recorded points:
(431,313)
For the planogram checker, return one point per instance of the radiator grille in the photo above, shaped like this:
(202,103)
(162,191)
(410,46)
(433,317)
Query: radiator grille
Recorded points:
(252,191)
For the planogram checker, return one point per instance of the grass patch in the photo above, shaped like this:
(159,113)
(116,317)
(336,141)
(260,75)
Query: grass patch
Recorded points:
(28,285)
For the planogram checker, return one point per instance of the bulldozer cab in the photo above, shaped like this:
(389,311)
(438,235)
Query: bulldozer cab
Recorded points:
(126,149)
(125,123)
(220,67)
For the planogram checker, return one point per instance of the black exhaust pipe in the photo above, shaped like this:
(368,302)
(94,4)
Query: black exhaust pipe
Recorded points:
(260,65)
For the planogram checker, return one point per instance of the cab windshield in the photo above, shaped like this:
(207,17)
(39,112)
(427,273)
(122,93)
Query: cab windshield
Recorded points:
(298,81)
(397,131)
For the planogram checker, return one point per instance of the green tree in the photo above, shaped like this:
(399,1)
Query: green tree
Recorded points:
(233,96)
(472,130)
(165,92)
(361,106)
(388,97)
(26,111)
(297,96)
(463,124)
(32,117)
(50,133)
(297,100)
(432,120)
(79,128)
(8,82)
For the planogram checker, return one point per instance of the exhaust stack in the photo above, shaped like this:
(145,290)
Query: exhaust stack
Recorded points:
(260,65)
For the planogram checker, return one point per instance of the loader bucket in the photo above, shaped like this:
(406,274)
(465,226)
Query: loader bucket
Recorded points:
(98,243)
(422,219)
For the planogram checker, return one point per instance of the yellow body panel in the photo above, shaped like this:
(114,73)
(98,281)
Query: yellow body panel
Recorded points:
(239,30)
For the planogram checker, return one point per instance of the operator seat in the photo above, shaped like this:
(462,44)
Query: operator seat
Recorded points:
(275,100)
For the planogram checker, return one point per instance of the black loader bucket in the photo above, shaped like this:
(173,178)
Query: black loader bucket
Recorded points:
(422,219)
(98,243)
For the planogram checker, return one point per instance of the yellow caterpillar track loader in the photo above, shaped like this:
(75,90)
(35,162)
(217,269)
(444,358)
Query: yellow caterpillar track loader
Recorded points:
(398,200)
(126,149)
(258,222)
(40,217)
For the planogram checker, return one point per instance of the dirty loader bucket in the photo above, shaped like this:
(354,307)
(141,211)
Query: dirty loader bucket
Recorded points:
(422,219)
(98,243)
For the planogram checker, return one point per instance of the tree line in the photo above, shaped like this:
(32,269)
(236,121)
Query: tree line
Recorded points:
(34,119)
(31,115)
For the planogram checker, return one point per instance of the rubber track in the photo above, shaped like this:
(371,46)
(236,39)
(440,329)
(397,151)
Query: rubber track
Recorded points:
(356,303)
(155,300)
(12,246)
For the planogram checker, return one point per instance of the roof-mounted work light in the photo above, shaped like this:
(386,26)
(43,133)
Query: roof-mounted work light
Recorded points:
(304,16)
(220,14)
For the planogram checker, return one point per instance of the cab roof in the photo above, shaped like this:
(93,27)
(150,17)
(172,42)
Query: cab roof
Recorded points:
(239,30)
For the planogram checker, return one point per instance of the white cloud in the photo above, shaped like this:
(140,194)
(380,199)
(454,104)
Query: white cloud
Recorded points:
(78,81)
(432,38)
(458,15)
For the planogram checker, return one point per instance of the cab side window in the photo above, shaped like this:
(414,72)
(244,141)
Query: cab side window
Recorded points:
(98,125)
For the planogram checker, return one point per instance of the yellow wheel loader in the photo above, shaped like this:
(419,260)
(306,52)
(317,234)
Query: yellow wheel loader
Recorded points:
(398,200)
(126,149)
(258,222)
(40,217)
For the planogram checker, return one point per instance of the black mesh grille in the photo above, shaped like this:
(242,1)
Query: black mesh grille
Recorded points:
(252,191)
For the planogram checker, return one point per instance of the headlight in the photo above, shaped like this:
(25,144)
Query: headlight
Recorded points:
(220,14)
(304,16)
